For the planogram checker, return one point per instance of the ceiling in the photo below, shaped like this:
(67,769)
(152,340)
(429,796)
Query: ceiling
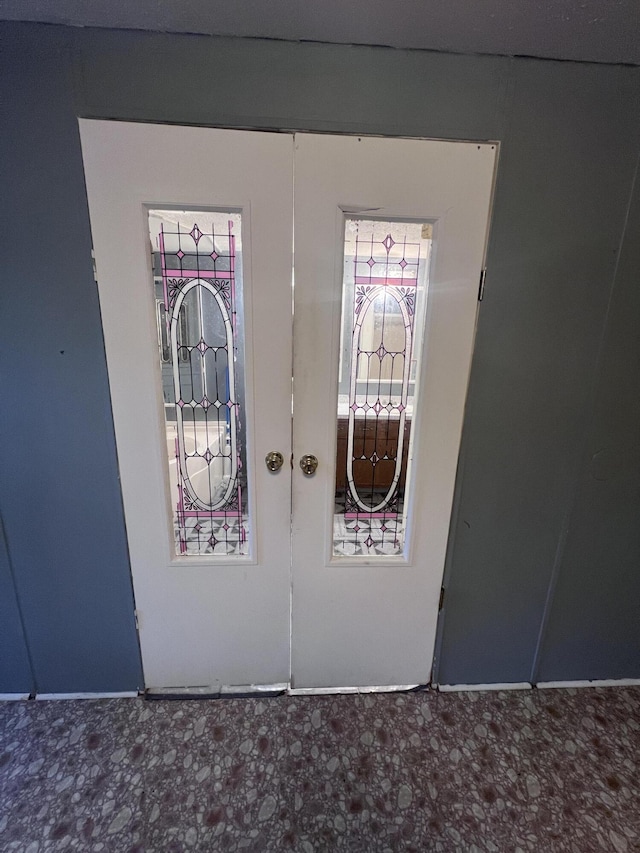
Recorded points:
(586,30)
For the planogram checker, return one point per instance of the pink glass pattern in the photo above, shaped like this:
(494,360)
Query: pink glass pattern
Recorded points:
(385,273)
(198,288)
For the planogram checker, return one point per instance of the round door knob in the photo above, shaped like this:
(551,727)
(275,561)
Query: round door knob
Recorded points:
(274,460)
(309,464)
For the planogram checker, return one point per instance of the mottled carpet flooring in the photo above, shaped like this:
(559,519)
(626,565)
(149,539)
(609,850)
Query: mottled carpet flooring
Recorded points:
(538,770)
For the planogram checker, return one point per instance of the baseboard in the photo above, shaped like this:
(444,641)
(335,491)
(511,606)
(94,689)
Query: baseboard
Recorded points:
(252,690)
(238,690)
(541,685)
(126,694)
(465,688)
(233,691)
(329,691)
(596,682)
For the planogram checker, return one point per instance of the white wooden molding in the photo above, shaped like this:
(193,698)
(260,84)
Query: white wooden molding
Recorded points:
(598,682)
(465,688)
(126,694)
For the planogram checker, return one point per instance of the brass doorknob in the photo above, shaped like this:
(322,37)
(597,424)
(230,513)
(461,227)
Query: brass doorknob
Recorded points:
(274,460)
(309,464)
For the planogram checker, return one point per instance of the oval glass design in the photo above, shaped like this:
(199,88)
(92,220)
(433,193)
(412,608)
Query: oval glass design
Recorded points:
(198,292)
(208,463)
(374,453)
(383,314)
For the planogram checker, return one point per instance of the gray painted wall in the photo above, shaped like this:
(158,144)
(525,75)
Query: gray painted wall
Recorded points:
(593,627)
(59,490)
(15,668)
(566,172)
(570,137)
(585,30)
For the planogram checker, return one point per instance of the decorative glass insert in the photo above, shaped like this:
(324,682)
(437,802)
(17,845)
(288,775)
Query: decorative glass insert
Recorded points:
(197,262)
(383,308)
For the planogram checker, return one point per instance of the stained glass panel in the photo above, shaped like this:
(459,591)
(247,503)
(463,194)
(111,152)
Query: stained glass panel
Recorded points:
(383,307)
(198,291)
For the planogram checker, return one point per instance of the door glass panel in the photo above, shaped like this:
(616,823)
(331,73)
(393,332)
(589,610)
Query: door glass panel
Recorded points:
(383,308)
(197,264)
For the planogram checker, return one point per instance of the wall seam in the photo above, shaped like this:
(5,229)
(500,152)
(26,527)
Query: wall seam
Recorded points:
(3,534)
(505,102)
(590,412)
(76,77)
(443,51)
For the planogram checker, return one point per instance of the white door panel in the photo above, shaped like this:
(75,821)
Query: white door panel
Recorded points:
(203,621)
(360,621)
(285,608)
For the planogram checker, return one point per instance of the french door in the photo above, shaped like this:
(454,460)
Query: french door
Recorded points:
(288,362)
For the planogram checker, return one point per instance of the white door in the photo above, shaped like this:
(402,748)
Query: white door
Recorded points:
(213,603)
(237,581)
(380,378)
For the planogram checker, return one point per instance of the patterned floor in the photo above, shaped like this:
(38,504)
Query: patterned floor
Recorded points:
(552,770)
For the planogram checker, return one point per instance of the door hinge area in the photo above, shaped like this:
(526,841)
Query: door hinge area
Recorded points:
(136,616)
(483,275)
(441,601)
(95,268)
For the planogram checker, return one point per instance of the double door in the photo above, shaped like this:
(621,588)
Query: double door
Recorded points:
(288,324)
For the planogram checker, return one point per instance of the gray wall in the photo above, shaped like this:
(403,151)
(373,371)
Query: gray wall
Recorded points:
(566,174)
(521,597)
(582,30)
(15,667)
(59,490)
(594,617)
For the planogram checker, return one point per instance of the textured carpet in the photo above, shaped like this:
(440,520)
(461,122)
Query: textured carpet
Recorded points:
(520,771)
